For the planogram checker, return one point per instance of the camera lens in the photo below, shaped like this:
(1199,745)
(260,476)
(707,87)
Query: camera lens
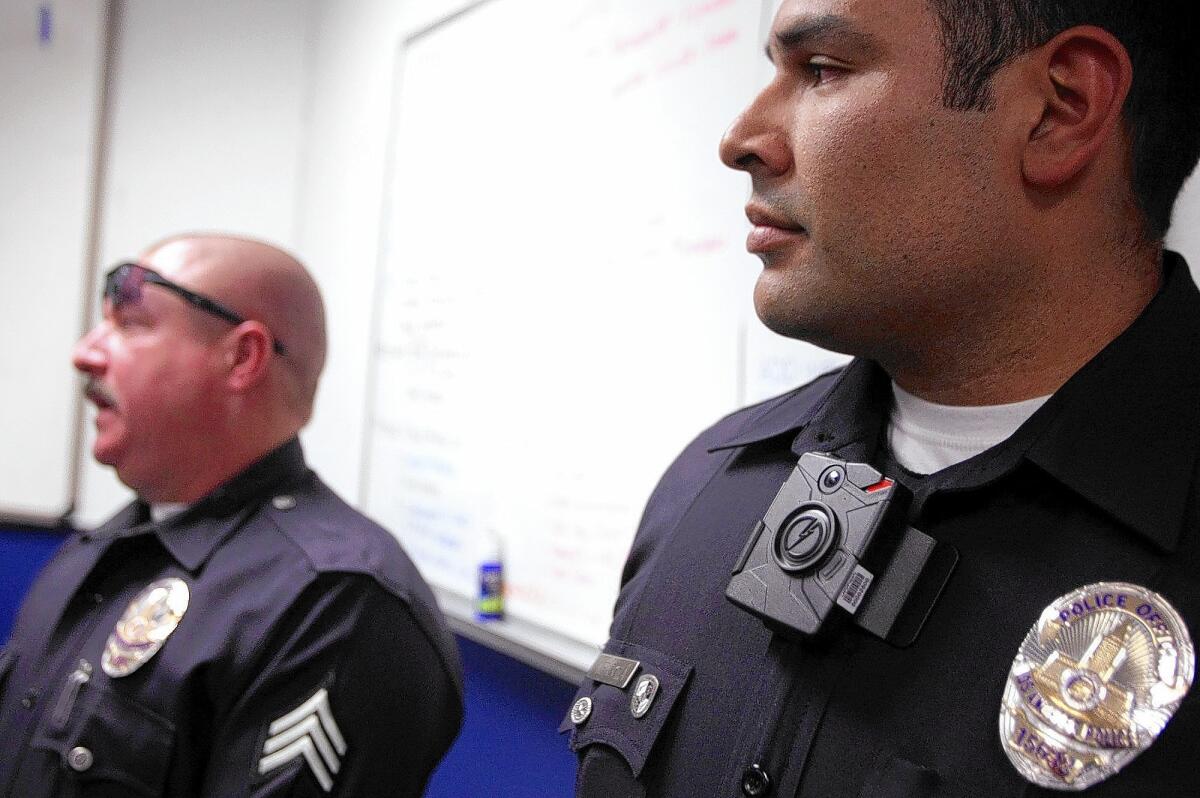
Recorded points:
(832,479)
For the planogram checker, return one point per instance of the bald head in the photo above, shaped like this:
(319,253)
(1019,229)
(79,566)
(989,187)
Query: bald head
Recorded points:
(261,283)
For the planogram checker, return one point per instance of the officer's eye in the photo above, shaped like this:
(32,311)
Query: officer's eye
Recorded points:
(127,318)
(820,70)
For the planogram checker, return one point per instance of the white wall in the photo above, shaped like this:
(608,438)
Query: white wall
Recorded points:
(50,100)
(208,123)
(1185,228)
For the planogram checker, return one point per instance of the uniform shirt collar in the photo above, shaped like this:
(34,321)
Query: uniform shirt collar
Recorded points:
(849,411)
(1122,432)
(192,536)
(1126,428)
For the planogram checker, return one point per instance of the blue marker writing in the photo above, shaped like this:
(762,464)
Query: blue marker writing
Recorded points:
(45,24)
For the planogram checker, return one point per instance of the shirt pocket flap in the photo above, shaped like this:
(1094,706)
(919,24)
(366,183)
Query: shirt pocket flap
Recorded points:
(611,719)
(895,777)
(110,738)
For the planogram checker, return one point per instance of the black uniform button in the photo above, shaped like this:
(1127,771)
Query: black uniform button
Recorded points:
(30,699)
(755,782)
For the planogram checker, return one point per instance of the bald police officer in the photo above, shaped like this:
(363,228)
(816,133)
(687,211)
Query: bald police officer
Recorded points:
(971,198)
(238,629)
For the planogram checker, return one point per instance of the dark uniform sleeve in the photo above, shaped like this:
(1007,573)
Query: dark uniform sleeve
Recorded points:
(352,699)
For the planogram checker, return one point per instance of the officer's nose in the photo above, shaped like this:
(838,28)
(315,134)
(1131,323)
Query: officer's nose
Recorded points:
(89,355)
(756,142)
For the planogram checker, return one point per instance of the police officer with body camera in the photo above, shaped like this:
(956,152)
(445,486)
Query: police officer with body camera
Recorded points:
(966,564)
(238,629)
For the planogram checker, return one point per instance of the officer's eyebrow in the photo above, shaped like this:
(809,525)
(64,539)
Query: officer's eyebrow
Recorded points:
(808,32)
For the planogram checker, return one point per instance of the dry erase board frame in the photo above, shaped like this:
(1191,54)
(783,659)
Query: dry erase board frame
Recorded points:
(490,406)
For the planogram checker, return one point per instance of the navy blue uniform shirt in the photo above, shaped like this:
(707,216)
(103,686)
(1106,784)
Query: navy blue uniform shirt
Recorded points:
(311,659)
(1098,485)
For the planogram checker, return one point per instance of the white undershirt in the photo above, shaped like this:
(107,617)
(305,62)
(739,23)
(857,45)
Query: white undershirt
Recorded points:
(164,510)
(925,437)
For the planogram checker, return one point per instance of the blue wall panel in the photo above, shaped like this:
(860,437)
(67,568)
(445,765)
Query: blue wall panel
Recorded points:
(508,747)
(23,552)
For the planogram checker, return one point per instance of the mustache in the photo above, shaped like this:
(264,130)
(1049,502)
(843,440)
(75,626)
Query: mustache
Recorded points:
(99,393)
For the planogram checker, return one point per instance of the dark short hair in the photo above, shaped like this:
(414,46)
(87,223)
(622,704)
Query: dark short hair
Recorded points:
(1162,112)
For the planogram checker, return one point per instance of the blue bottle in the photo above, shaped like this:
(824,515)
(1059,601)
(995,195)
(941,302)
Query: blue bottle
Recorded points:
(489,602)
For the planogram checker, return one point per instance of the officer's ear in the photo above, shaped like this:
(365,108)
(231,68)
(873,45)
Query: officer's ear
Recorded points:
(248,352)
(1082,77)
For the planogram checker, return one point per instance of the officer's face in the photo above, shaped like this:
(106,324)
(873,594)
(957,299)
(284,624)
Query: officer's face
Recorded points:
(153,376)
(875,207)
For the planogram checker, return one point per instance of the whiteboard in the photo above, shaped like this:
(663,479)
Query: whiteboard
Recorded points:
(51,57)
(564,298)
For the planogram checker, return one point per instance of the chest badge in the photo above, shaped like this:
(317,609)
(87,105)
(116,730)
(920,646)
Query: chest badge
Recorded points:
(147,623)
(1093,684)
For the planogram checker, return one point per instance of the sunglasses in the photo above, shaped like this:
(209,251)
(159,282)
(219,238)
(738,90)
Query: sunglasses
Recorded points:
(123,286)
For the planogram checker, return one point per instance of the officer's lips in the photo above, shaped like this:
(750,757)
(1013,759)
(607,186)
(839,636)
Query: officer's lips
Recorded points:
(772,230)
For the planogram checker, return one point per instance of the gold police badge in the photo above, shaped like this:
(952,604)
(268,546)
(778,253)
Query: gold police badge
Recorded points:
(1093,684)
(147,623)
